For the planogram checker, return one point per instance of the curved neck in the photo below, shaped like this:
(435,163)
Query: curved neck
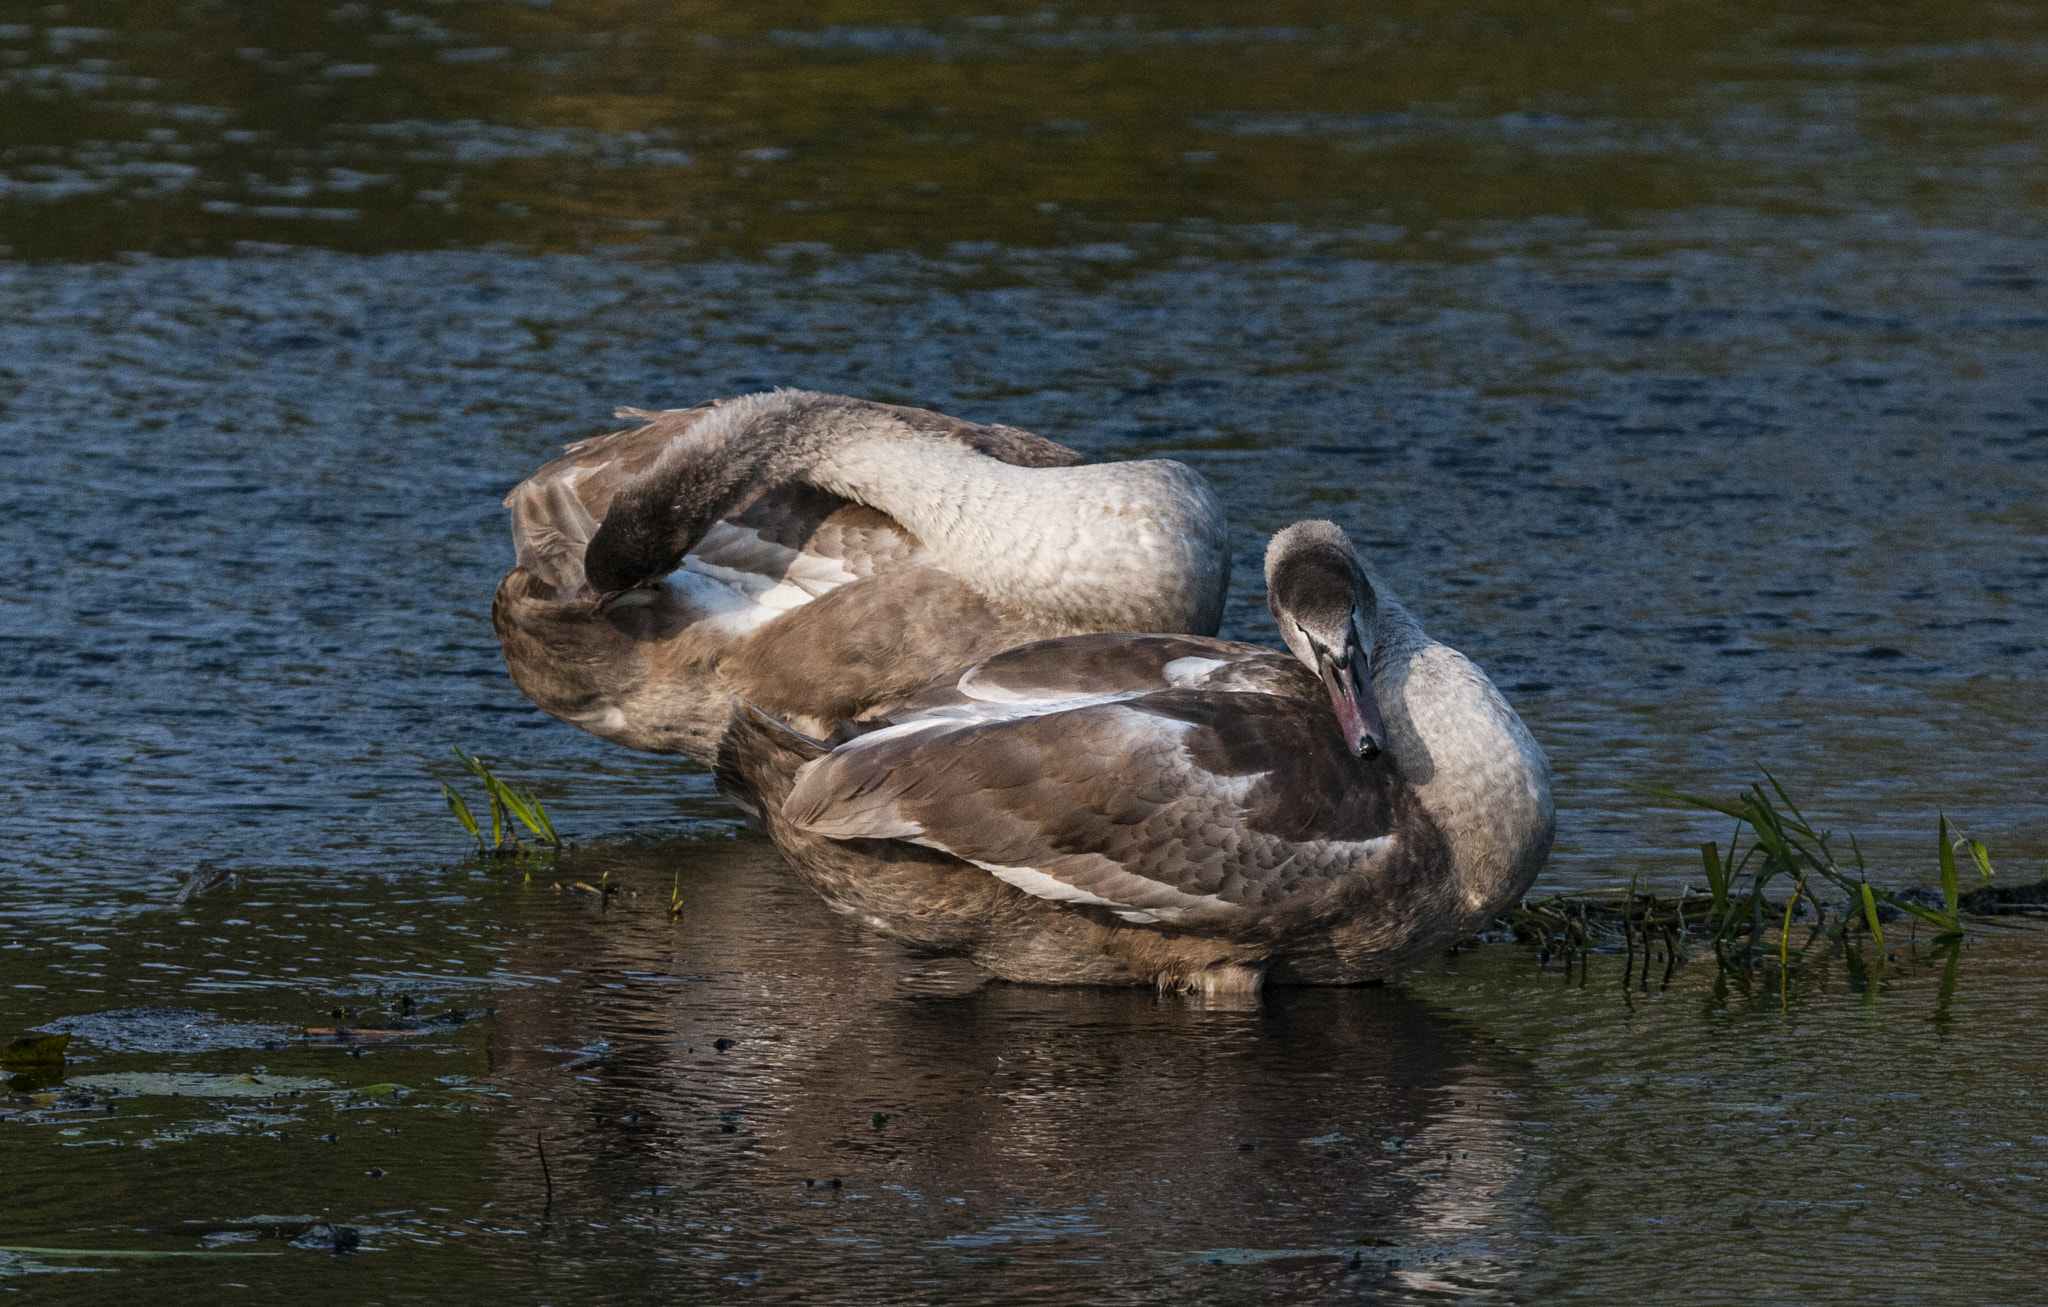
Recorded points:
(702,474)
(1472,762)
(1121,546)
(1103,547)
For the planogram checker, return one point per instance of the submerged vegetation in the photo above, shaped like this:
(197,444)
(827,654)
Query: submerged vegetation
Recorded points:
(507,805)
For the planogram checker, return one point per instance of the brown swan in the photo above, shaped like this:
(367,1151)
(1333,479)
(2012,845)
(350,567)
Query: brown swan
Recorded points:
(1169,810)
(823,557)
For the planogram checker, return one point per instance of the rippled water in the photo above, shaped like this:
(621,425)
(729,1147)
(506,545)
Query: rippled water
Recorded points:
(761,1099)
(1682,367)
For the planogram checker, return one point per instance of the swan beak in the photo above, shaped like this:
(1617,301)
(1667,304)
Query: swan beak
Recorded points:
(1358,712)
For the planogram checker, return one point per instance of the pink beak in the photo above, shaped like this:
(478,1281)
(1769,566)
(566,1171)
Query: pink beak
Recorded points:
(1358,712)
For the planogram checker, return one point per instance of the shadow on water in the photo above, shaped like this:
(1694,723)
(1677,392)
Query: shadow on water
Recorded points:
(762,1096)
(761,1099)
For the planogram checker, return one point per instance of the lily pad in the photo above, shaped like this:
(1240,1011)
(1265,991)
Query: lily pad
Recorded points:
(193,1084)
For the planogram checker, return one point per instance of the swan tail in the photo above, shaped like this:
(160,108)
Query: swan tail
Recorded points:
(758,757)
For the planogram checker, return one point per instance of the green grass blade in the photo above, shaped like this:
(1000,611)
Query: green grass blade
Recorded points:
(1785,935)
(504,799)
(1763,819)
(515,803)
(1982,857)
(531,813)
(1751,911)
(1870,916)
(546,829)
(472,764)
(461,811)
(1945,855)
(1717,880)
(1929,915)
(1692,801)
(1790,806)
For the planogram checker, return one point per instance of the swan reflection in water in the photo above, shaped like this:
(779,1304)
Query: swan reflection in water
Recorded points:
(764,1091)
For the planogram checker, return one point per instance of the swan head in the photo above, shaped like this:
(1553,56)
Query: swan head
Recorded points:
(1325,605)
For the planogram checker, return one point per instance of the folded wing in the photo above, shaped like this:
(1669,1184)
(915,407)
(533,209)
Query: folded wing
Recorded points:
(1163,802)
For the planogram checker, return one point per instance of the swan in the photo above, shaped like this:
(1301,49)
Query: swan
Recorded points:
(1190,813)
(823,557)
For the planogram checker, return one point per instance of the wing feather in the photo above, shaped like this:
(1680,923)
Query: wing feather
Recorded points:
(1177,805)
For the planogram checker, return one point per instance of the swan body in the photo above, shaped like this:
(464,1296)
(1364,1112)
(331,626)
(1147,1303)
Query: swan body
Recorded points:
(1171,810)
(824,557)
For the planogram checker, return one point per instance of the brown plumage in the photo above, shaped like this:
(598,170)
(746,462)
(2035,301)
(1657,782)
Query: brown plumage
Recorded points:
(735,548)
(1170,810)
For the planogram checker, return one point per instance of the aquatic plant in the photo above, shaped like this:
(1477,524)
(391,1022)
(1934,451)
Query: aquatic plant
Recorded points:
(1739,917)
(507,804)
(1785,846)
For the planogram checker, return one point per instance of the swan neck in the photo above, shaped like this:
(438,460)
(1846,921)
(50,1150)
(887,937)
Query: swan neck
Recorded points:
(1103,547)
(660,515)
(1108,547)
(1472,763)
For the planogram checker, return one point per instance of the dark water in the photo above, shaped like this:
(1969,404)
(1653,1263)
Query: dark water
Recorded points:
(763,1101)
(1681,365)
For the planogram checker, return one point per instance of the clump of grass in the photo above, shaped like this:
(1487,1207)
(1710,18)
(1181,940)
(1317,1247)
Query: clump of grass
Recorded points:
(1785,847)
(507,805)
(1557,927)
(1567,929)
(1753,901)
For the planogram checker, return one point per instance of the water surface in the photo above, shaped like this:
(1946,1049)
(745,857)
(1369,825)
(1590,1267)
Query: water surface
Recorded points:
(1681,366)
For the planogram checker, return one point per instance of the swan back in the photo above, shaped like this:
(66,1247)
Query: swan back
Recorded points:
(1201,801)
(1170,780)
(765,552)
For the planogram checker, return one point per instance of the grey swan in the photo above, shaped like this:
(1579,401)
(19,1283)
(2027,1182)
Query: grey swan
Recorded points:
(824,557)
(1194,814)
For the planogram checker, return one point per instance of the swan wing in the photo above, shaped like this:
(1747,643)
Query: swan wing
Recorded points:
(1074,671)
(1178,806)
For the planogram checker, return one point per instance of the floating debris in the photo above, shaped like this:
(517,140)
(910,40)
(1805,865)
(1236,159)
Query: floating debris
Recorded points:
(205,875)
(197,1084)
(404,1028)
(35,1051)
